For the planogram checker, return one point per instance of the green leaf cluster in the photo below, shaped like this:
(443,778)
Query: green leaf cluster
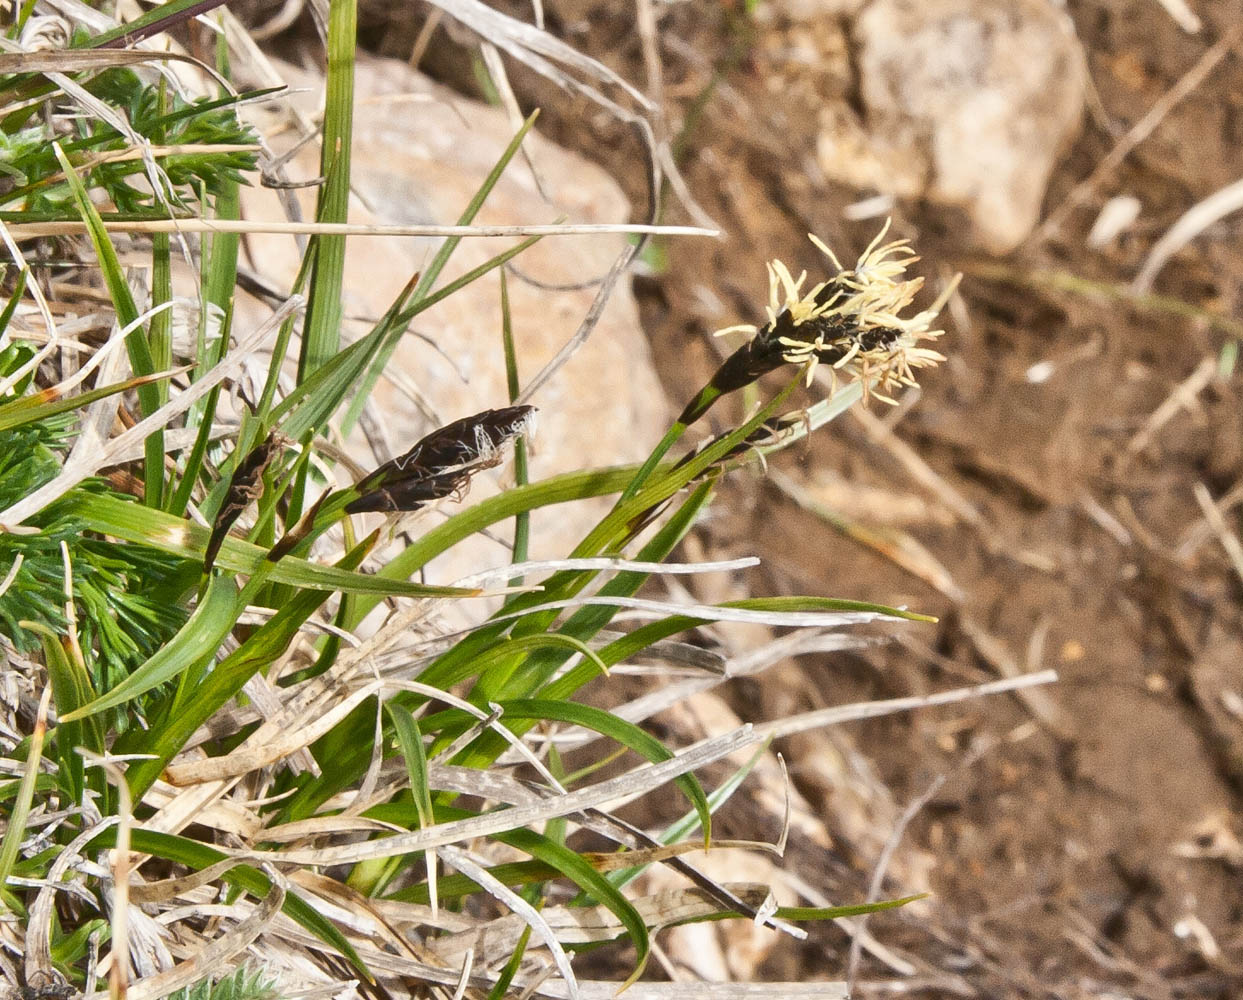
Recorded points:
(243,983)
(32,180)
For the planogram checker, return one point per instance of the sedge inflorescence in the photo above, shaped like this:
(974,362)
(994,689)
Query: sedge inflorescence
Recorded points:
(851,322)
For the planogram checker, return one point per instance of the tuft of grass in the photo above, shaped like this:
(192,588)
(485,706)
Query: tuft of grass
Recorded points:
(223,612)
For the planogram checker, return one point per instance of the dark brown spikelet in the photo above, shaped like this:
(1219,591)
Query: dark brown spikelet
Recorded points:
(442,463)
(245,487)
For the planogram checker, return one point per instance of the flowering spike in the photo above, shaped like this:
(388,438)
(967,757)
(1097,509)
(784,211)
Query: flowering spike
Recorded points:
(852,322)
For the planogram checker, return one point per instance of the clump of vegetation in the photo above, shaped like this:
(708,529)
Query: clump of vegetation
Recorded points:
(195,600)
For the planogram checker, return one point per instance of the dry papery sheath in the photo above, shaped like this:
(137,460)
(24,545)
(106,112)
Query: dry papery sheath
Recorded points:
(442,463)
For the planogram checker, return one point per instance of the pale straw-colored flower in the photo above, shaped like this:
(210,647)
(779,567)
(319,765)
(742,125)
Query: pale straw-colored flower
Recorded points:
(853,321)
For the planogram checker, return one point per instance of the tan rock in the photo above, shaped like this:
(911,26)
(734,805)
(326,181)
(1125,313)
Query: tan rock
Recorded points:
(968,103)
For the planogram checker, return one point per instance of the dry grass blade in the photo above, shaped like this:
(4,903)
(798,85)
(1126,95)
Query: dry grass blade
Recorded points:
(1182,397)
(899,547)
(647,608)
(529,45)
(1229,540)
(37,942)
(1041,705)
(603,795)
(1183,15)
(529,915)
(277,743)
(78,60)
(171,888)
(306,720)
(715,991)
(1140,131)
(1190,224)
(32,230)
(571,346)
(745,665)
(215,956)
(873,709)
(605,564)
(591,924)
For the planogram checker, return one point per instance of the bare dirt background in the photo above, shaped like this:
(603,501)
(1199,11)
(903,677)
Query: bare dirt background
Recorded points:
(1089,849)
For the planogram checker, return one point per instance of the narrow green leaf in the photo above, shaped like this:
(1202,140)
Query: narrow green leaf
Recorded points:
(29,409)
(410,740)
(445,673)
(152,22)
(10,307)
(198,639)
(113,516)
(553,860)
(522,520)
(71,687)
(160,341)
(620,731)
(123,303)
(321,333)
(556,489)
(681,829)
(501,986)
(421,293)
(261,649)
(816,912)
(15,828)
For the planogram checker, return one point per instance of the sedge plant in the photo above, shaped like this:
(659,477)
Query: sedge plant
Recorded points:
(247,696)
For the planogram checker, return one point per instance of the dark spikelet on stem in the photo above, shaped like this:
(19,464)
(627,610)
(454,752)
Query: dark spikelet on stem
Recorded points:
(245,487)
(442,463)
(851,322)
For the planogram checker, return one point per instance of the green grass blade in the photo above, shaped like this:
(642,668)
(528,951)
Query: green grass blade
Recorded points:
(10,307)
(445,674)
(410,741)
(15,828)
(619,731)
(71,688)
(591,882)
(510,969)
(552,860)
(420,299)
(684,827)
(191,709)
(805,913)
(556,489)
(152,22)
(321,333)
(587,621)
(160,341)
(41,405)
(179,499)
(214,617)
(127,315)
(124,519)
(522,520)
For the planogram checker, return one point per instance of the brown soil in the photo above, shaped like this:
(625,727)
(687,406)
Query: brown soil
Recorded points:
(1058,871)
